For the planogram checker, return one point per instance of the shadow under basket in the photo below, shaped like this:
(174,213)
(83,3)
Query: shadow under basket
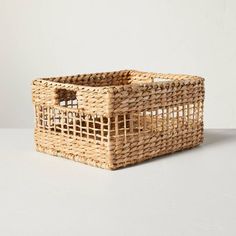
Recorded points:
(114,119)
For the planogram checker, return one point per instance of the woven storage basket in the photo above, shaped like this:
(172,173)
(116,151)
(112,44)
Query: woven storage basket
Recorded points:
(115,119)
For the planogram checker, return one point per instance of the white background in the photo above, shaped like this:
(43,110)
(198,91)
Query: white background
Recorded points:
(41,38)
(189,193)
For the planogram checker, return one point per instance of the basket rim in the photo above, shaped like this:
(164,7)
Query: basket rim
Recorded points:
(173,80)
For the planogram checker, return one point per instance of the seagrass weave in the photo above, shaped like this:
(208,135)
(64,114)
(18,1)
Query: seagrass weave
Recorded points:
(115,119)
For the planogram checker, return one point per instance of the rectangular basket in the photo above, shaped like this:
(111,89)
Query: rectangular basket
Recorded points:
(115,119)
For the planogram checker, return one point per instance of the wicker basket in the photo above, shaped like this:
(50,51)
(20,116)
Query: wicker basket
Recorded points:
(115,119)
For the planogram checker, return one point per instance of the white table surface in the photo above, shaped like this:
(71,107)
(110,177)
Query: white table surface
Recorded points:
(187,193)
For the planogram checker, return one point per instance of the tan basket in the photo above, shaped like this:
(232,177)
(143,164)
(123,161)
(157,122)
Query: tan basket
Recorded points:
(115,119)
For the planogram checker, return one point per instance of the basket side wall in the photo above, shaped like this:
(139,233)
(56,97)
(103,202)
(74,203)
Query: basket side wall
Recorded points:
(72,123)
(155,119)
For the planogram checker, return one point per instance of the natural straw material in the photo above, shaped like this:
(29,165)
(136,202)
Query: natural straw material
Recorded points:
(115,119)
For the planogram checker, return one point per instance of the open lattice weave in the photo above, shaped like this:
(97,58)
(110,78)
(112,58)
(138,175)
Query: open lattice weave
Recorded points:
(115,119)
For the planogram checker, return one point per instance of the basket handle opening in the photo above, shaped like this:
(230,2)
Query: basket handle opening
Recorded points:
(66,98)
